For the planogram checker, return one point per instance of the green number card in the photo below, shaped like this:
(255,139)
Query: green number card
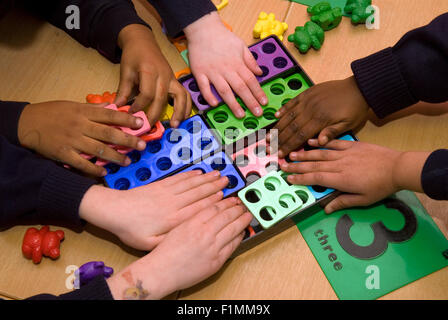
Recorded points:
(366,253)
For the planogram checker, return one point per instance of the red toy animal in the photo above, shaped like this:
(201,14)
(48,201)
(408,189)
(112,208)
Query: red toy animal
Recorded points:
(41,242)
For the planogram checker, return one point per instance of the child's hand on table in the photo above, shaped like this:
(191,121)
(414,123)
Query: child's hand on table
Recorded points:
(219,57)
(366,172)
(144,70)
(327,109)
(190,253)
(141,217)
(61,130)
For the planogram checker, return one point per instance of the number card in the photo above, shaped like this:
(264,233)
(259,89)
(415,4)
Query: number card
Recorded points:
(366,253)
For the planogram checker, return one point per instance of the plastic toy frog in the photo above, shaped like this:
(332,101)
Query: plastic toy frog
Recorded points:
(358,10)
(326,17)
(267,25)
(311,35)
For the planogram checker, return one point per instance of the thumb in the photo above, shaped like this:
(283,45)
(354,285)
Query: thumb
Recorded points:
(251,63)
(124,89)
(344,201)
(331,132)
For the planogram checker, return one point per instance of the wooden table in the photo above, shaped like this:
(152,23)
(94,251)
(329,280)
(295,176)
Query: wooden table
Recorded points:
(40,63)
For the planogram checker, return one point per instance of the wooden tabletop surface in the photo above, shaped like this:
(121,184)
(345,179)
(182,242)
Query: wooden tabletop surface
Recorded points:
(41,63)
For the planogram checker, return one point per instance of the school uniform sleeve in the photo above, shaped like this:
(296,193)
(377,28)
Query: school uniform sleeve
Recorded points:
(178,14)
(36,190)
(435,175)
(414,70)
(97,289)
(9,119)
(100,21)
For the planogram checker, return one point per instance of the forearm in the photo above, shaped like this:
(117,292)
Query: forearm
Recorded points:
(35,190)
(100,21)
(178,14)
(413,70)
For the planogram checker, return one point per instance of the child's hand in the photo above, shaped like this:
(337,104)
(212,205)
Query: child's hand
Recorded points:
(61,130)
(328,109)
(190,253)
(219,57)
(142,216)
(145,70)
(367,172)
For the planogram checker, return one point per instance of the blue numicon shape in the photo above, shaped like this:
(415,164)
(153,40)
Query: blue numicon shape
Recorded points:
(221,162)
(178,148)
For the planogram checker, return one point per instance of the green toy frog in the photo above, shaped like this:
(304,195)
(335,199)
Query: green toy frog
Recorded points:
(311,35)
(358,10)
(326,17)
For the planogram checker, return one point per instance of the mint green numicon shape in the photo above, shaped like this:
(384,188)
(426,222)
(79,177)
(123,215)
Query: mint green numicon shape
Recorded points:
(271,199)
(278,91)
(366,253)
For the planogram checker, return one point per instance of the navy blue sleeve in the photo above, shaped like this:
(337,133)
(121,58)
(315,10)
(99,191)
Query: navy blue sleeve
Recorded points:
(178,14)
(38,191)
(100,21)
(414,70)
(435,175)
(9,120)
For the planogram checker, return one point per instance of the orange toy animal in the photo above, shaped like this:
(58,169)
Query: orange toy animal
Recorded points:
(97,98)
(42,242)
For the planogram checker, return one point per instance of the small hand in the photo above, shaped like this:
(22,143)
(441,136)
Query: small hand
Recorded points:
(328,110)
(141,217)
(219,57)
(61,130)
(190,253)
(366,172)
(145,70)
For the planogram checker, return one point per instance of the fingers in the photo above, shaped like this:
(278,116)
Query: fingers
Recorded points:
(226,93)
(325,179)
(331,132)
(147,92)
(204,87)
(181,105)
(125,87)
(112,117)
(102,151)
(314,155)
(312,166)
(334,144)
(114,136)
(158,103)
(298,136)
(76,161)
(202,191)
(181,185)
(234,228)
(198,206)
(345,201)
(206,215)
(179,177)
(230,247)
(225,217)
(242,90)
(251,63)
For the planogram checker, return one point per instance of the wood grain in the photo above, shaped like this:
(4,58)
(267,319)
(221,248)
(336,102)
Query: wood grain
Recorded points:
(39,63)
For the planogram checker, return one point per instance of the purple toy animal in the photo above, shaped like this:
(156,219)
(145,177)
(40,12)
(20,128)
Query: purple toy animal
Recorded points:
(88,271)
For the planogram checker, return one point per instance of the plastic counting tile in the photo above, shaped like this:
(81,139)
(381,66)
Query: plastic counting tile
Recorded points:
(271,198)
(279,91)
(254,162)
(271,57)
(178,147)
(221,162)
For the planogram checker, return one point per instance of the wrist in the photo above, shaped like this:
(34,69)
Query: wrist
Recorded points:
(24,129)
(203,25)
(356,93)
(139,281)
(407,170)
(134,32)
(94,206)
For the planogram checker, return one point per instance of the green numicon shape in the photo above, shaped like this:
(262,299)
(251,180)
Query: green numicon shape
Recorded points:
(326,17)
(311,35)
